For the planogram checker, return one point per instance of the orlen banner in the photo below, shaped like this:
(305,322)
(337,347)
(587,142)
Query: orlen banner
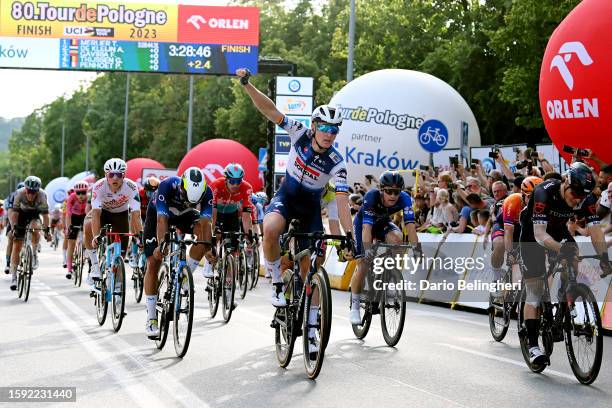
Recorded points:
(393,119)
(576,80)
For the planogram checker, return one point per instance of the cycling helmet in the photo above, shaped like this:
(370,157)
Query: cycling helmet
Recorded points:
(193,183)
(32,183)
(20,185)
(234,171)
(529,183)
(151,183)
(115,165)
(580,178)
(391,178)
(81,186)
(328,114)
(262,197)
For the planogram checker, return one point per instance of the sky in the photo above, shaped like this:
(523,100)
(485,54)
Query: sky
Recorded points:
(22,91)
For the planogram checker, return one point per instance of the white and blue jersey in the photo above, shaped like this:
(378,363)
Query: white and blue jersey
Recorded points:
(259,211)
(374,213)
(308,171)
(168,201)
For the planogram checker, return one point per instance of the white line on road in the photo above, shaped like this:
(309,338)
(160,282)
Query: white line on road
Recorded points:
(503,359)
(138,392)
(152,370)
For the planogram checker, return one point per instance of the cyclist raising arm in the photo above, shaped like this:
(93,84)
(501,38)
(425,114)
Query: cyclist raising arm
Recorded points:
(312,162)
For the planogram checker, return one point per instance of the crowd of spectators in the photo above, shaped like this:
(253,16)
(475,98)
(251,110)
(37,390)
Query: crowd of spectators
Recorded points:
(462,200)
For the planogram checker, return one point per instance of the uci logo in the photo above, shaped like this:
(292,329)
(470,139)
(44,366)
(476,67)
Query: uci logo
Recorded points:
(565,55)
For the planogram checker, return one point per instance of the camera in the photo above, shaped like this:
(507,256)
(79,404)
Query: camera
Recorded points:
(423,167)
(522,164)
(493,155)
(574,151)
(476,161)
(454,160)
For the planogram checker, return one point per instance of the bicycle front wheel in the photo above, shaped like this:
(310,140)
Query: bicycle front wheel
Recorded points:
(183,312)
(365,309)
(243,274)
(393,310)
(499,312)
(100,298)
(315,324)
(228,286)
(118,298)
(27,274)
(284,328)
(255,268)
(583,335)
(163,302)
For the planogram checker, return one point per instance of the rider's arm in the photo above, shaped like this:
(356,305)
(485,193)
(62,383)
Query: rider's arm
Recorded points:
(409,227)
(543,238)
(508,237)
(136,222)
(261,101)
(45,218)
(162,227)
(247,224)
(134,205)
(589,211)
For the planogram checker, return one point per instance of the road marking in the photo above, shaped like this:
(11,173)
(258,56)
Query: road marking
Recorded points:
(138,392)
(148,367)
(504,360)
(443,316)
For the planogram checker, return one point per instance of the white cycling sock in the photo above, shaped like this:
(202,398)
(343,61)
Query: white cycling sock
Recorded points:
(151,302)
(274,269)
(313,313)
(355,302)
(193,264)
(93,257)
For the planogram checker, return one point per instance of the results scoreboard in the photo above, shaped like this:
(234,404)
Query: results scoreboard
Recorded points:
(96,36)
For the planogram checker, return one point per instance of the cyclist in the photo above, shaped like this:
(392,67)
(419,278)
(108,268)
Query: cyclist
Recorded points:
(185,202)
(259,200)
(232,207)
(30,202)
(313,161)
(147,190)
(112,196)
(373,223)
(75,215)
(9,229)
(544,226)
(55,216)
(496,226)
(2,217)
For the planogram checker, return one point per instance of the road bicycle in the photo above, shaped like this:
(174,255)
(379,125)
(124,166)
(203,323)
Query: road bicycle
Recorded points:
(502,305)
(255,263)
(79,259)
(314,294)
(25,269)
(574,318)
(176,292)
(110,288)
(222,285)
(382,296)
(139,272)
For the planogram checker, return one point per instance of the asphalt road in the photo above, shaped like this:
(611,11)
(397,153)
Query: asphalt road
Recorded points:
(445,358)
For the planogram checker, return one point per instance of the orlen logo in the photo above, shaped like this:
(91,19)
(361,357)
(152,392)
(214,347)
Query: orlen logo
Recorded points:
(576,108)
(565,55)
(222,23)
(295,106)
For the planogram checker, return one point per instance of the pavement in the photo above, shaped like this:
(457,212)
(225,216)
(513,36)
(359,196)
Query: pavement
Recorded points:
(445,358)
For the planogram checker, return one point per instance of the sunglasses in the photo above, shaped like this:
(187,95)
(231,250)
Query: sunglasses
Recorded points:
(392,191)
(81,193)
(234,181)
(115,174)
(331,129)
(31,191)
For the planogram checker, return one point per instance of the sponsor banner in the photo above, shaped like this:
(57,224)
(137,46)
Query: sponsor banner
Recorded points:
(294,105)
(29,53)
(108,55)
(280,163)
(304,119)
(294,86)
(282,144)
(81,18)
(218,25)
(161,174)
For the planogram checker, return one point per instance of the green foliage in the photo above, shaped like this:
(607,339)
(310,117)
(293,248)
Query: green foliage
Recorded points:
(489,50)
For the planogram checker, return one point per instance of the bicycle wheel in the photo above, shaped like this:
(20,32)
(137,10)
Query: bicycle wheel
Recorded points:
(77,265)
(20,274)
(100,294)
(327,330)
(365,309)
(163,305)
(255,268)
(183,312)
(314,334)
(583,335)
(284,328)
(27,274)
(118,298)
(243,274)
(228,286)
(142,271)
(499,313)
(522,332)
(393,310)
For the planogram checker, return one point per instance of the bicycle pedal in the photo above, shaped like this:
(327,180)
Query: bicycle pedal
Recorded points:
(92,294)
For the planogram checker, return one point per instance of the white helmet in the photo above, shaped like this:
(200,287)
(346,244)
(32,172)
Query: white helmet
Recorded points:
(328,114)
(115,165)
(194,184)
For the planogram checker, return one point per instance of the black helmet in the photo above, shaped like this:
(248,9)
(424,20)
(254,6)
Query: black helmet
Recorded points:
(391,178)
(580,178)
